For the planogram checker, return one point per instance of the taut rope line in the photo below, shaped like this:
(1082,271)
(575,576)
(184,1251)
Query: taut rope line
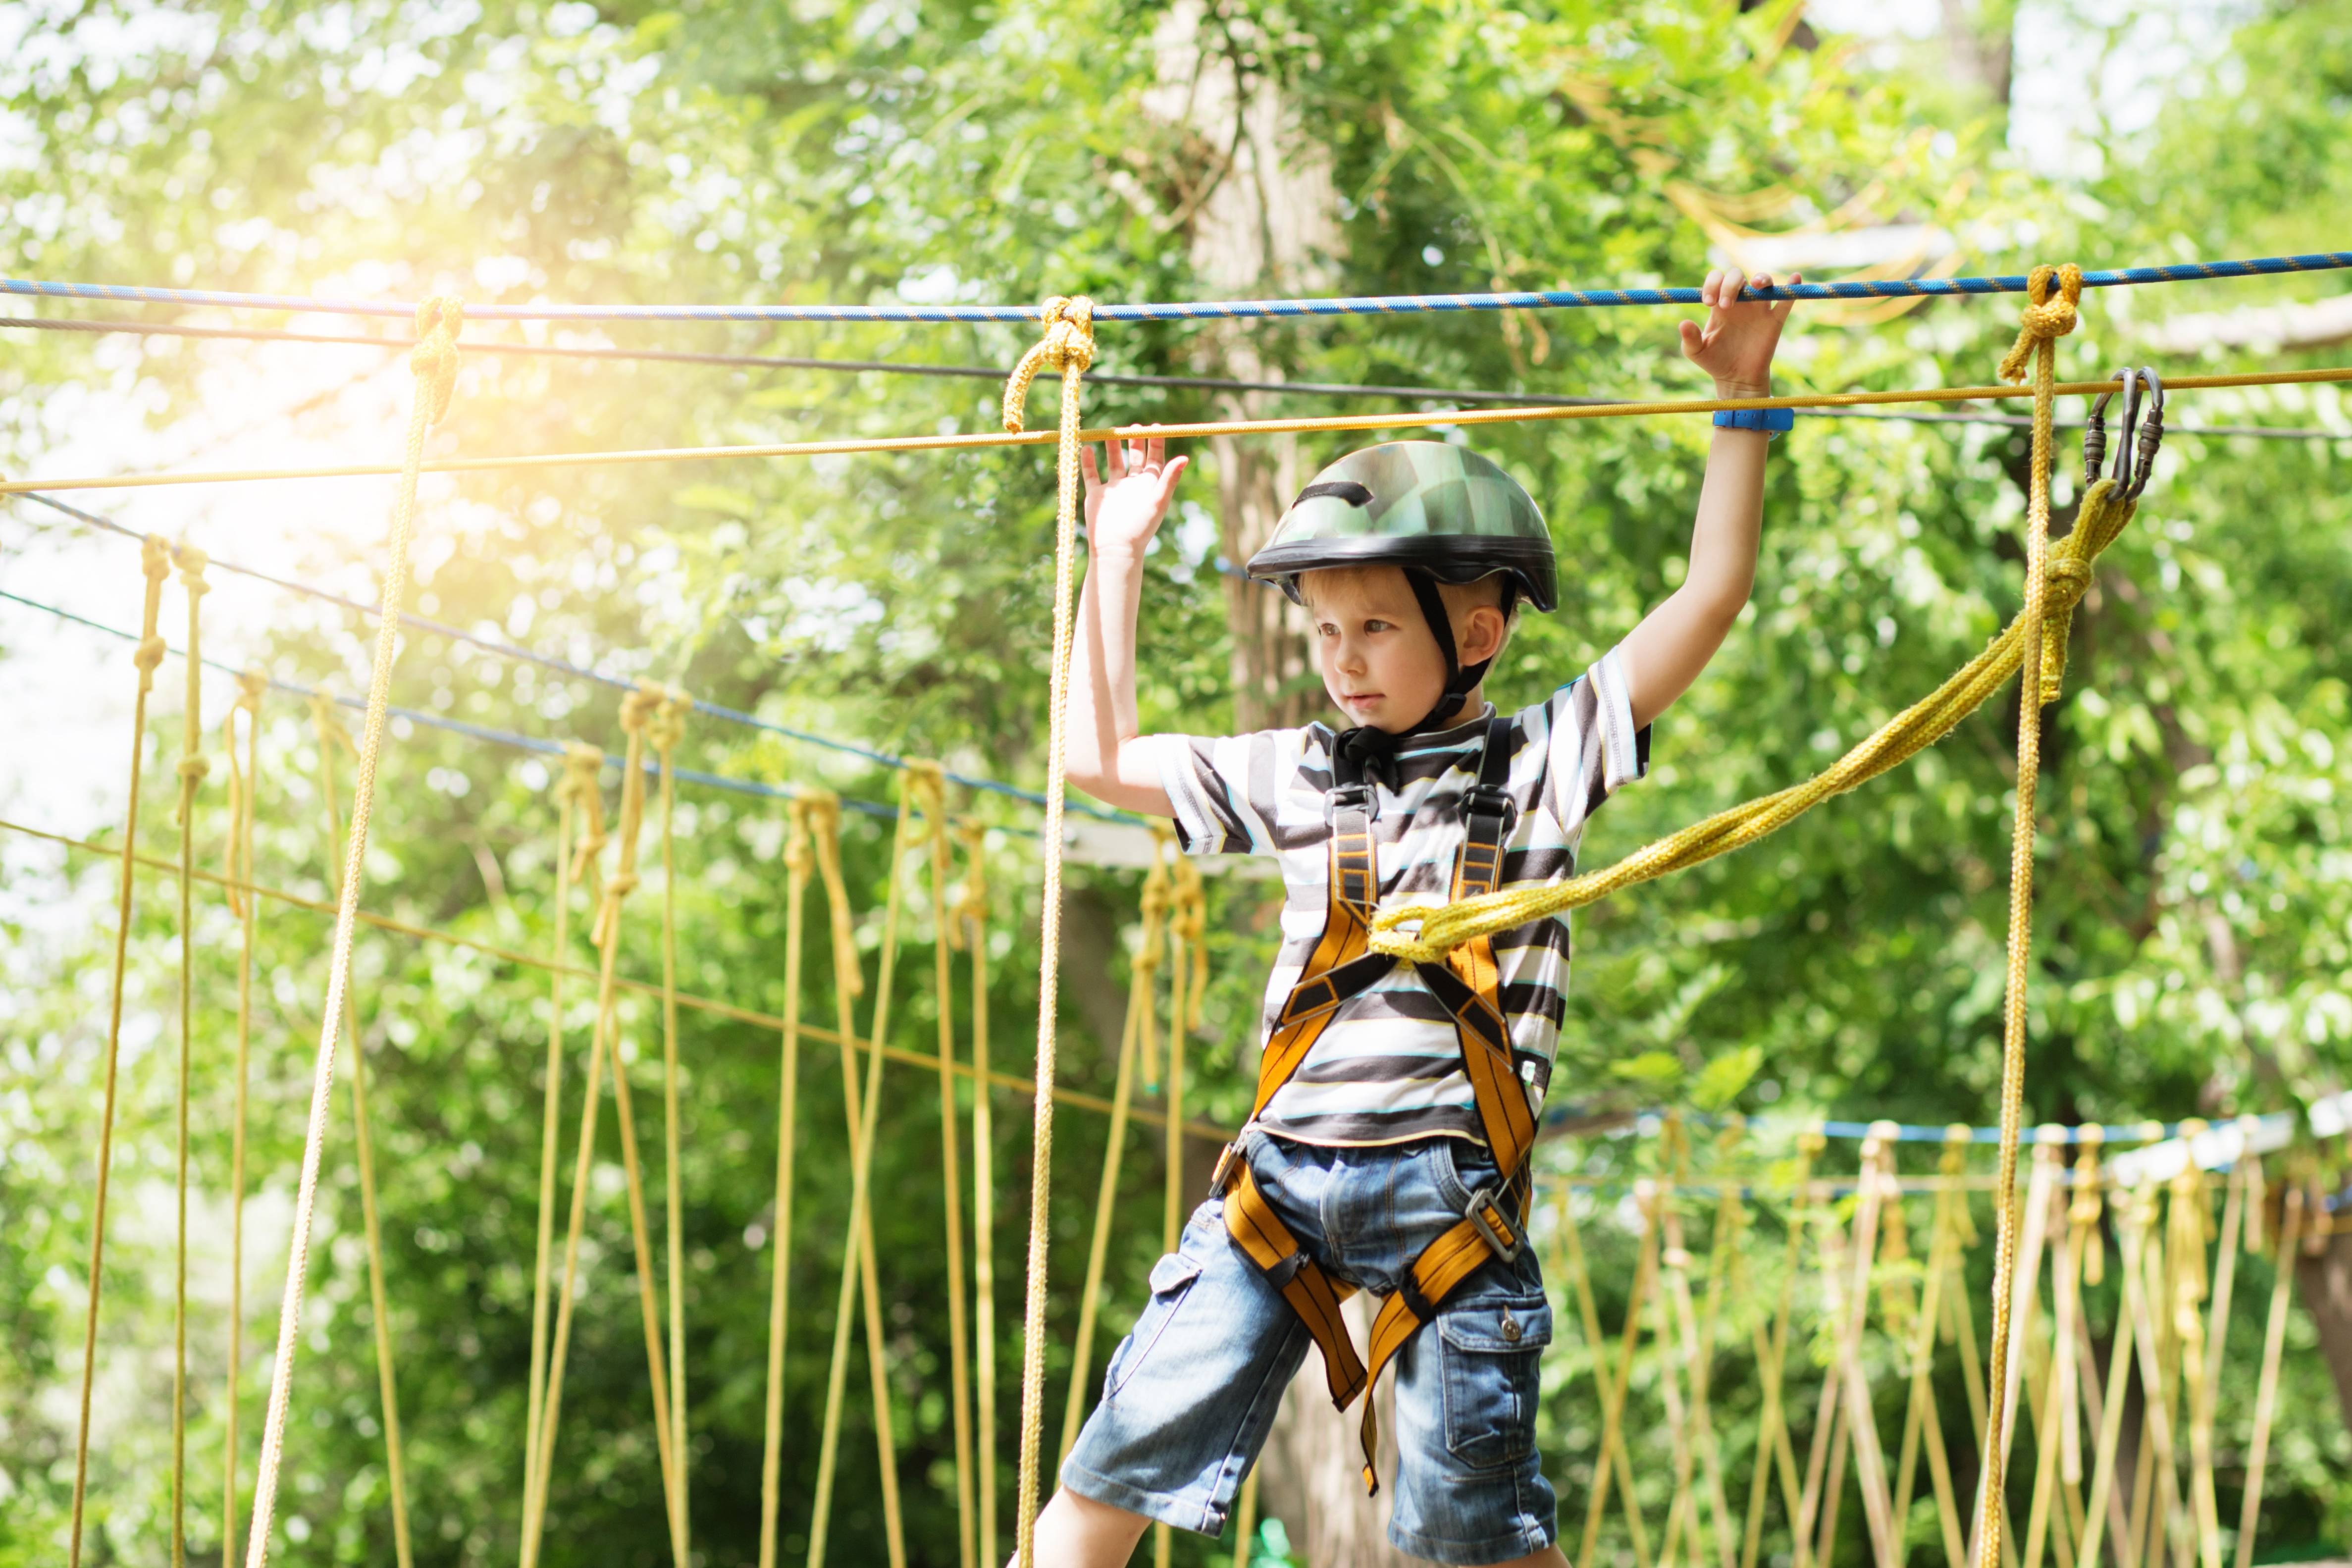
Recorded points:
(666,730)
(435,361)
(1068,346)
(1304,424)
(193,769)
(796,880)
(155,561)
(244,785)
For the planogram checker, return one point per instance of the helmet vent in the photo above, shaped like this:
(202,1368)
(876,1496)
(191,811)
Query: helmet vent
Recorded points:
(1347,490)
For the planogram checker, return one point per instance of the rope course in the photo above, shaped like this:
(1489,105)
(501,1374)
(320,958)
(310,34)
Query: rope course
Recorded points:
(1845,1260)
(1206,309)
(992,374)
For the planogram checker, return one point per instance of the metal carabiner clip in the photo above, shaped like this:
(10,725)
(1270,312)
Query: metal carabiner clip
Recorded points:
(2137,441)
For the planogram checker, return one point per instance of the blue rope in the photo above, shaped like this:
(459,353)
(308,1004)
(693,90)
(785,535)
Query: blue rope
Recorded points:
(582,672)
(1362,305)
(460,727)
(1646,1124)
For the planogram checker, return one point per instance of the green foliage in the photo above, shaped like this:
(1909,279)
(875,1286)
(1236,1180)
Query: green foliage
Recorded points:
(2193,906)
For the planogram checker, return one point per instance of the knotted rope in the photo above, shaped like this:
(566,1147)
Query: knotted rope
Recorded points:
(971,926)
(435,361)
(858,1252)
(194,769)
(798,864)
(1068,346)
(664,729)
(2054,292)
(244,785)
(155,561)
(580,799)
(848,984)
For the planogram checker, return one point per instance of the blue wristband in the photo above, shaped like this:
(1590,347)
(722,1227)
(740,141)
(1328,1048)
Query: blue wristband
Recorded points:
(1771,421)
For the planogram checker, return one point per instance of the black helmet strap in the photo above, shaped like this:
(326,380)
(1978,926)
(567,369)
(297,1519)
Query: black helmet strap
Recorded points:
(1373,752)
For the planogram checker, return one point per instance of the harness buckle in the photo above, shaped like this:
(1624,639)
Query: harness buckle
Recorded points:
(1349,798)
(1485,1215)
(1495,801)
(1227,1159)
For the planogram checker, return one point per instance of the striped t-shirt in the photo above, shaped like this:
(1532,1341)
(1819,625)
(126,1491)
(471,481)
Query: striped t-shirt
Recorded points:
(1388,1067)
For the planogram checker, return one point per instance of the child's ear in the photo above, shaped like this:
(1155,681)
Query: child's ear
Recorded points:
(1482,634)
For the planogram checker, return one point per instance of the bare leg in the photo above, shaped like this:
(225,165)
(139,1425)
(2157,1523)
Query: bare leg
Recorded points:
(1548,1557)
(1076,1531)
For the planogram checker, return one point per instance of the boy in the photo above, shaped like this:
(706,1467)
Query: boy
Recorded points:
(1396,1103)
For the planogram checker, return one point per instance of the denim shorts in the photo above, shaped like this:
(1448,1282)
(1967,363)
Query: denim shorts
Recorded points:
(1190,1394)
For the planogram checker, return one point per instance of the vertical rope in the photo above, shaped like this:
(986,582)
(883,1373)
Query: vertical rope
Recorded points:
(2290,1233)
(972,916)
(1068,345)
(1184,928)
(667,728)
(578,799)
(332,737)
(1136,1024)
(788,1072)
(2054,292)
(856,1250)
(929,785)
(848,984)
(243,786)
(612,895)
(1772,1444)
(155,561)
(435,361)
(193,769)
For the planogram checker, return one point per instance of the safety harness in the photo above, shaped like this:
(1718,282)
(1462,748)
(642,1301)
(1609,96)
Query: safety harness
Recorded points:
(1343,967)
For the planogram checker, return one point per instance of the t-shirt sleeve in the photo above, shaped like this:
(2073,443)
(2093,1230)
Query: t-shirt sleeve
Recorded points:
(1224,788)
(1594,746)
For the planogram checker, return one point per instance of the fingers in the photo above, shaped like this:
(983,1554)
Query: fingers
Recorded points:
(1157,452)
(1783,306)
(1168,478)
(1087,467)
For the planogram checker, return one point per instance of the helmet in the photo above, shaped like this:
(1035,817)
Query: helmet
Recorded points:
(1434,508)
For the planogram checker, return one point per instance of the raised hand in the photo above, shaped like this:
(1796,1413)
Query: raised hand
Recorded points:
(1124,508)
(1736,346)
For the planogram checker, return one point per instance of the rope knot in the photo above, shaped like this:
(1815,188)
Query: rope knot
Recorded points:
(638,708)
(666,725)
(2054,293)
(433,359)
(148,654)
(1068,346)
(156,557)
(251,684)
(195,766)
(192,563)
(797,860)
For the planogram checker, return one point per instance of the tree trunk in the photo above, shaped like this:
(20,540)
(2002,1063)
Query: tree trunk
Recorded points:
(2323,1279)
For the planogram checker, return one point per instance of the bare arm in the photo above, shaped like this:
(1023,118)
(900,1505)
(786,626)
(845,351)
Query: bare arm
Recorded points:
(1668,650)
(1108,759)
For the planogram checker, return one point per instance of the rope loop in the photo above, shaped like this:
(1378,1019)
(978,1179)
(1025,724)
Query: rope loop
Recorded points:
(639,707)
(583,768)
(927,792)
(798,860)
(667,727)
(1068,346)
(433,359)
(2056,293)
(971,897)
(823,809)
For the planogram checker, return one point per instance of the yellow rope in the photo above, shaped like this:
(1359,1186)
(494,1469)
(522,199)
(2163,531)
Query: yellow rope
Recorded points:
(1068,347)
(579,800)
(2053,293)
(1323,423)
(857,1249)
(193,769)
(928,785)
(605,935)
(243,786)
(666,728)
(435,361)
(639,711)
(331,738)
(796,879)
(972,915)
(155,561)
(2290,1233)
(1772,1445)
(1143,967)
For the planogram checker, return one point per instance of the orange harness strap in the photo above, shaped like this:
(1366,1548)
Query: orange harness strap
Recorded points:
(1340,967)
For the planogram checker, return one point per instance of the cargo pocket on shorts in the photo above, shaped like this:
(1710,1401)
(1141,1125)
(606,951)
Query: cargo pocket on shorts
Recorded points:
(1493,1352)
(1171,1281)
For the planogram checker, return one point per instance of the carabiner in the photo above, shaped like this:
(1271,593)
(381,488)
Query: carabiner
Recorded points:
(2137,441)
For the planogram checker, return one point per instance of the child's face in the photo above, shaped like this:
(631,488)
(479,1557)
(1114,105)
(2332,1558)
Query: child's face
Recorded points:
(1377,657)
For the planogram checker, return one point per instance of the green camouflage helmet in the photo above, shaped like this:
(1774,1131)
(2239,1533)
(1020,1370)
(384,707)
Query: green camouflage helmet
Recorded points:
(1428,505)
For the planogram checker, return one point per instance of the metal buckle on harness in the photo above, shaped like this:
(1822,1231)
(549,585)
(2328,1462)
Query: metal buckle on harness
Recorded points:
(1227,1159)
(1485,1213)
(1492,800)
(1348,796)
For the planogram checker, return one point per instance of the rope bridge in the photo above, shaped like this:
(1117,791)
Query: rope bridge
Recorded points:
(655,717)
